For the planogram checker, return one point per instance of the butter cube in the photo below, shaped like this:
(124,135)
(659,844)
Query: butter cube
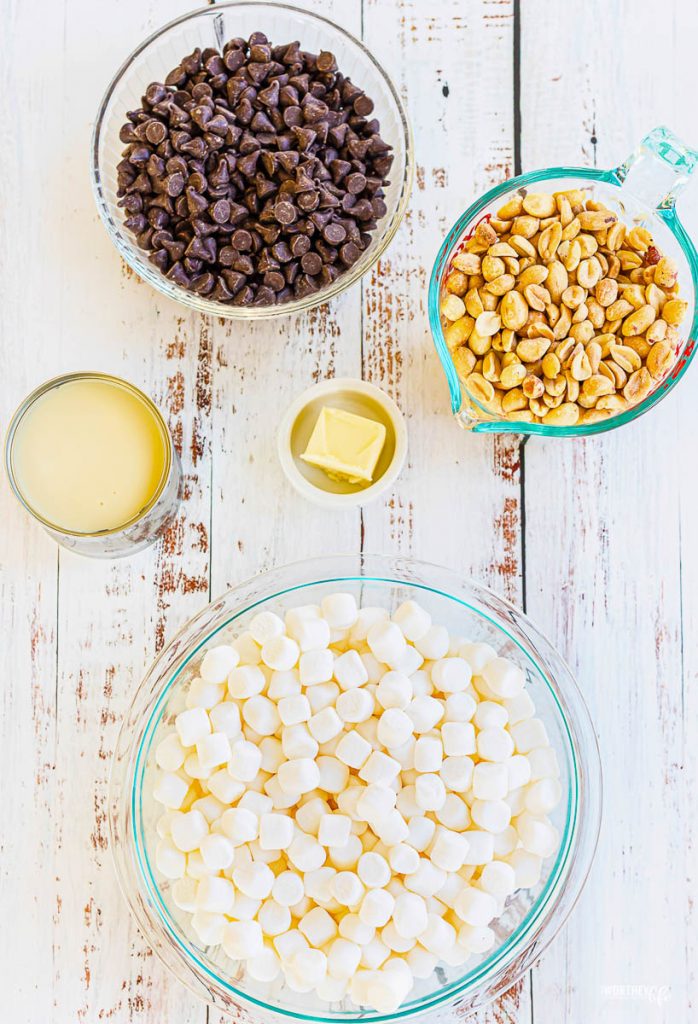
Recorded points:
(345,446)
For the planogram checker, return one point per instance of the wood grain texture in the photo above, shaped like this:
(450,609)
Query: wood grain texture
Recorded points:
(604,529)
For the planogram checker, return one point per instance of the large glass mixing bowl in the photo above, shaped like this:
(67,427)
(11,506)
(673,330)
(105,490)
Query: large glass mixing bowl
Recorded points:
(213,26)
(643,192)
(531,918)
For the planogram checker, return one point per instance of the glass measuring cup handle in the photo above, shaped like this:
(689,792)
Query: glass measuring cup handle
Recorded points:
(658,170)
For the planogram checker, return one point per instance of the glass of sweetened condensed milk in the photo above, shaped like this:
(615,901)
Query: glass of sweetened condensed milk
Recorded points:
(91,458)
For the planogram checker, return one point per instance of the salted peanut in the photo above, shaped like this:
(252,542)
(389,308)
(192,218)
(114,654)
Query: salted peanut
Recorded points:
(606,292)
(537,296)
(594,354)
(479,343)
(501,249)
(467,262)
(629,260)
(638,387)
(639,321)
(484,232)
(492,266)
(512,376)
(571,254)
(539,204)
(464,361)
(488,324)
(674,311)
(554,388)
(639,238)
(453,307)
(473,303)
(660,358)
(589,273)
(501,285)
(491,367)
(595,312)
(580,367)
(513,310)
(573,296)
(458,331)
(550,365)
(514,400)
(512,208)
(522,245)
(655,296)
(489,301)
(597,385)
(597,220)
(457,282)
(634,293)
(525,226)
(565,415)
(588,245)
(540,330)
(535,274)
(625,357)
(612,403)
(480,389)
(592,416)
(657,331)
(666,272)
(640,345)
(532,386)
(583,331)
(619,309)
(573,387)
(530,350)
(619,375)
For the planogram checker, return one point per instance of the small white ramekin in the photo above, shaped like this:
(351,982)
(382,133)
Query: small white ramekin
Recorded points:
(361,395)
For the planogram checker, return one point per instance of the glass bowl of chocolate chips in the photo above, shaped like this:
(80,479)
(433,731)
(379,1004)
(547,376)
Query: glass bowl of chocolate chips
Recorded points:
(251,160)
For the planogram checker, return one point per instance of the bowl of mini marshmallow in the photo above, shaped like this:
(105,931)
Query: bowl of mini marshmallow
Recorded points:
(356,787)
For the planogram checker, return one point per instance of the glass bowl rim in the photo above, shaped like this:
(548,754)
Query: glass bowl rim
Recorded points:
(147,272)
(454,237)
(541,911)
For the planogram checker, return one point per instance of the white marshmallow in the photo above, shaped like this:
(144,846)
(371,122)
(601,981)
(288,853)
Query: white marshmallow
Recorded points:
(322,695)
(366,618)
(394,728)
(284,684)
(374,668)
(377,907)
(347,856)
(498,878)
(310,814)
(213,750)
(537,834)
(421,962)
(306,968)
(379,769)
(428,754)
(306,853)
(192,725)
(430,792)
(243,939)
(215,895)
(403,859)
(490,781)
(171,790)
(458,738)
(480,847)
(169,861)
(490,715)
(169,753)
(374,953)
(457,773)
(334,775)
(347,888)
(217,852)
(491,815)
(325,725)
(519,707)
(543,762)
(494,745)
(476,938)
(451,675)
(374,802)
(439,936)
(287,888)
(184,894)
(188,829)
(316,666)
(339,610)
(420,833)
(387,642)
(218,663)
(209,928)
(528,735)
(542,796)
(289,944)
(504,677)
(413,620)
(449,850)
(353,928)
(477,656)
(246,681)
(374,870)
(474,906)
(410,915)
(318,885)
(240,825)
(294,709)
(460,707)
(265,966)
(262,715)
(527,868)
(202,694)
(275,831)
(280,653)
(254,880)
(331,990)
(454,814)
(355,705)
(248,650)
(265,626)
(422,685)
(311,634)
(245,761)
(392,829)
(296,741)
(434,644)
(394,690)
(343,958)
(505,842)
(349,670)
(427,879)
(425,712)
(299,775)
(225,718)
(318,926)
(334,830)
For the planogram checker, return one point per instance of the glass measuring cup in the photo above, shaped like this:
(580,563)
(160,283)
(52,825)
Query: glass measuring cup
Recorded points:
(643,192)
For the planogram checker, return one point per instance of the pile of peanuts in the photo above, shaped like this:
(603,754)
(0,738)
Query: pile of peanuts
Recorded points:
(556,312)
(351,798)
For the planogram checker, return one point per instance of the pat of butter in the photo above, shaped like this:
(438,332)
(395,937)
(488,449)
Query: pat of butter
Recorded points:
(345,445)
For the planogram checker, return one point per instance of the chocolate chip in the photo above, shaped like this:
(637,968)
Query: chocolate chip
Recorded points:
(285,213)
(349,253)
(334,234)
(242,240)
(311,263)
(355,183)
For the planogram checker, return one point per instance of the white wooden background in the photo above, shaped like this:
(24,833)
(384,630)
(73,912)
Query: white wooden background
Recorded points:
(597,539)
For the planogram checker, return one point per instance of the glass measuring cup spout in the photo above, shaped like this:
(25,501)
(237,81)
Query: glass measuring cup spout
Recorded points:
(642,191)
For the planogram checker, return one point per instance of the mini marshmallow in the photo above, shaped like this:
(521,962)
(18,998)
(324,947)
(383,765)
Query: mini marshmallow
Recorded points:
(490,715)
(243,939)
(248,650)
(498,878)
(460,707)
(306,969)
(240,825)
(504,677)
(294,710)
(374,668)
(188,829)
(284,684)
(490,815)
(425,712)
(225,718)
(449,850)
(394,690)
(280,653)
(316,666)
(374,870)
(366,618)
(218,663)
(298,776)
(318,885)
(192,725)
(392,829)
(477,656)
(543,763)
(454,814)
(275,831)
(169,860)
(213,750)
(325,725)
(422,685)
(217,852)
(334,830)
(542,796)
(265,626)
(272,753)
(434,644)
(306,853)
(287,888)
(505,842)
(528,735)
(347,889)
(451,675)
(171,790)
(387,642)
(476,938)
(490,781)
(376,907)
(355,705)
(310,814)
(246,681)
(439,936)
(428,754)
(457,773)
(394,728)
(289,944)
(475,907)
(527,868)
(195,866)
(215,895)
(458,738)
(426,880)
(379,769)
(264,967)
(262,714)
(413,620)
(339,610)
(480,847)
(420,833)
(322,695)
(374,953)
(421,962)
(331,990)
(410,915)
(184,894)
(209,928)
(407,803)
(245,761)
(494,745)
(203,694)
(343,958)
(403,859)
(310,634)
(519,707)
(254,880)
(537,835)
(430,792)
(224,787)
(169,754)
(296,741)
(350,671)
(374,802)
(334,775)
(318,927)
(347,856)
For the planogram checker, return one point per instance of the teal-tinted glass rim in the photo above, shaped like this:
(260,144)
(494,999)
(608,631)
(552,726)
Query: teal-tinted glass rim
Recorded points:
(453,239)
(447,993)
